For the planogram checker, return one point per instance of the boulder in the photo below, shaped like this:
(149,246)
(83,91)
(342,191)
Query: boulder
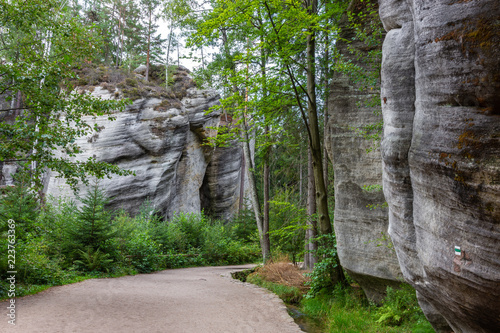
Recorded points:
(441,155)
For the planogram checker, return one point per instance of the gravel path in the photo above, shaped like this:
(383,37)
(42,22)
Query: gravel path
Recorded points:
(190,300)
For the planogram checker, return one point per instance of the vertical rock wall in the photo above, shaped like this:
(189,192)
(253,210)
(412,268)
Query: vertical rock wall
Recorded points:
(441,155)
(361,230)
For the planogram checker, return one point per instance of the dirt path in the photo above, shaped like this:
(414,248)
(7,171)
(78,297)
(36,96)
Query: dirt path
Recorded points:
(190,300)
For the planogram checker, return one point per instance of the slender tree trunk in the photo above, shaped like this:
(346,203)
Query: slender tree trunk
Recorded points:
(315,144)
(168,53)
(300,176)
(266,195)
(325,125)
(311,232)
(227,55)
(149,45)
(325,225)
(242,183)
(267,155)
(265,246)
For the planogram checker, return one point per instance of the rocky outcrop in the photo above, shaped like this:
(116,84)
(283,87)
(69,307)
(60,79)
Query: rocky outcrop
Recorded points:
(361,220)
(163,140)
(441,155)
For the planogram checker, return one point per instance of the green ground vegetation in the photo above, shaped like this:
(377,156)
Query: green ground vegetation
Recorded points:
(343,309)
(62,242)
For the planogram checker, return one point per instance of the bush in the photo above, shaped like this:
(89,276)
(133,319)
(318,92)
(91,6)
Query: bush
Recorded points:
(321,278)
(34,265)
(21,205)
(184,232)
(399,305)
(143,252)
(287,222)
(93,260)
(243,228)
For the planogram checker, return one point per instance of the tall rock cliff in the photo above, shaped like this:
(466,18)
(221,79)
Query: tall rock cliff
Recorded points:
(361,222)
(163,140)
(441,154)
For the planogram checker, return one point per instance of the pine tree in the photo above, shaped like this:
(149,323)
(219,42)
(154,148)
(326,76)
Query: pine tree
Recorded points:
(92,228)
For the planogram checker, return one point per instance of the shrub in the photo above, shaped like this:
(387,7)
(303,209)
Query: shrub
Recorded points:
(243,228)
(321,277)
(21,205)
(184,232)
(34,265)
(93,260)
(399,305)
(143,252)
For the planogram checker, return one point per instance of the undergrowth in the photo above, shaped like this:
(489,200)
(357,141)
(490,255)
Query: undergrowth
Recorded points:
(345,309)
(60,242)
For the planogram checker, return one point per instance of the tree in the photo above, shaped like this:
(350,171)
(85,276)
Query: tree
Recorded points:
(287,31)
(150,8)
(42,114)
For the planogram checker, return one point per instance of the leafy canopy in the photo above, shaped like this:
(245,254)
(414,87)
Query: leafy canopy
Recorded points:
(42,114)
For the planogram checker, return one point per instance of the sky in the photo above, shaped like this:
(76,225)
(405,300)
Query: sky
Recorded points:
(188,63)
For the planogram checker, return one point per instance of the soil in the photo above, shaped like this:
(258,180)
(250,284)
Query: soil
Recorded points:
(202,299)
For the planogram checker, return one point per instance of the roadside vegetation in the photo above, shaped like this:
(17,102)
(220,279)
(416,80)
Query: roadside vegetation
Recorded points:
(341,309)
(61,242)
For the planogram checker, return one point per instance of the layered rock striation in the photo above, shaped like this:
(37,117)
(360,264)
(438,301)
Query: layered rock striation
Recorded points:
(163,140)
(441,155)
(361,222)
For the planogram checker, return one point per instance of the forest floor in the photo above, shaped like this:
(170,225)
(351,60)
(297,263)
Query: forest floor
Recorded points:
(188,300)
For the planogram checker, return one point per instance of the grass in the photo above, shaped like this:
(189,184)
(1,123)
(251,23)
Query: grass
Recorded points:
(345,309)
(289,294)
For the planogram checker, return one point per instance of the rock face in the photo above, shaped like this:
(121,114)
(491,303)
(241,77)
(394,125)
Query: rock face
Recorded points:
(361,221)
(441,155)
(162,140)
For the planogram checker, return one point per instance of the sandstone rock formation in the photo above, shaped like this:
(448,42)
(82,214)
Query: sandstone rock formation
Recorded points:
(441,155)
(162,141)
(361,220)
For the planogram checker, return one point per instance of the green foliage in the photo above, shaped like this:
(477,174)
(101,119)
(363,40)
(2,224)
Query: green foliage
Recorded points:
(143,251)
(92,229)
(321,276)
(289,294)
(182,233)
(399,305)
(202,241)
(33,264)
(243,227)
(42,113)
(287,222)
(21,205)
(372,188)
(93,260)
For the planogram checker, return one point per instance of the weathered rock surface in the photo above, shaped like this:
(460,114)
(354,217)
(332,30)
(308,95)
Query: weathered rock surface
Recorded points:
(363,244)
(441,155)
(162,141)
